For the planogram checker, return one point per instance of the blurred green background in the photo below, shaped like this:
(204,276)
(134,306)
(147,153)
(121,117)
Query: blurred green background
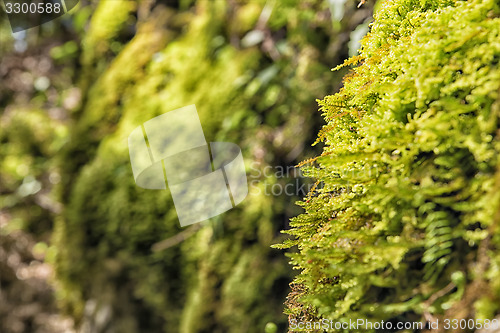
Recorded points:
(82,248)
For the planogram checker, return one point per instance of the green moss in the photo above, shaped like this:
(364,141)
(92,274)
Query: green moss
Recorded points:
(405,224)
(29,139)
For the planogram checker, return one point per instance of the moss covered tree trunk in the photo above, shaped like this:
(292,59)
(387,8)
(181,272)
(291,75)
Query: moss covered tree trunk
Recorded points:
(253,69)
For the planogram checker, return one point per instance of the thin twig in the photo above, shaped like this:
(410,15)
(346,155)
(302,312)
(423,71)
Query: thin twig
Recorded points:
(174,240)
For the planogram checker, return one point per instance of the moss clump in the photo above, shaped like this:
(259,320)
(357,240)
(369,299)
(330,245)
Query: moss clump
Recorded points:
(404,226)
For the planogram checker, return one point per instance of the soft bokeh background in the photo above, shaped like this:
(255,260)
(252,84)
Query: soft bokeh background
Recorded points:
(82,248)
